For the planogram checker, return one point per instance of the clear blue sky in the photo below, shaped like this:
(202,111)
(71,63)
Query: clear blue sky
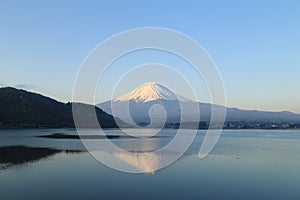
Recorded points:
(255,44)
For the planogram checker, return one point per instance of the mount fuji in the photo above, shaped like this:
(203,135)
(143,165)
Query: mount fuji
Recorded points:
(150,102)
(154,103)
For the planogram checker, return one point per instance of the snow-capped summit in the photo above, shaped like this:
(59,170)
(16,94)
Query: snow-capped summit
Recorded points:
(150,91)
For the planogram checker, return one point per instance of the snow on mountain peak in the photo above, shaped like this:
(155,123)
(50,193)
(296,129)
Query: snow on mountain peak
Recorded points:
(148,92)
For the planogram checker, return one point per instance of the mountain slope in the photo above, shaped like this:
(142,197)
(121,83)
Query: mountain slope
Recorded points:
(140,100)
(20,108)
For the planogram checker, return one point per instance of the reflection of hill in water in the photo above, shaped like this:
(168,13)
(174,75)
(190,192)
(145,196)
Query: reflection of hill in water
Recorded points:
(146,162)
(142,155)
(20,155)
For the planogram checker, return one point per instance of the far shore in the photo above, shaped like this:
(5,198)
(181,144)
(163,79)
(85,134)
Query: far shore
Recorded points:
(185,128)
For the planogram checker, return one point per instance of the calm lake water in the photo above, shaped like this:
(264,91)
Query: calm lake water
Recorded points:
(245,164)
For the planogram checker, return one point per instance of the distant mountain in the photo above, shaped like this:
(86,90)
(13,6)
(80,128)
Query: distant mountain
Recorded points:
(20,108)
(141,99)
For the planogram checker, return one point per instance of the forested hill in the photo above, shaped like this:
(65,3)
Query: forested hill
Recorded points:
(20,108)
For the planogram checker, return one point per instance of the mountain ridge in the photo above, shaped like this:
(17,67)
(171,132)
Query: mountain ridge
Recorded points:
(21,108)
(139,110)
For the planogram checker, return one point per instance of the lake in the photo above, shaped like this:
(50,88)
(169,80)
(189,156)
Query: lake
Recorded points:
(245,164)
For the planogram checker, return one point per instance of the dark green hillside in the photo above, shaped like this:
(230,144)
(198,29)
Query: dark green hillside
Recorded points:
(20,108)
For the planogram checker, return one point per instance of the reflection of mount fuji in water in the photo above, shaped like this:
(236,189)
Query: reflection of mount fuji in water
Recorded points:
(139,101)
(145,162)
